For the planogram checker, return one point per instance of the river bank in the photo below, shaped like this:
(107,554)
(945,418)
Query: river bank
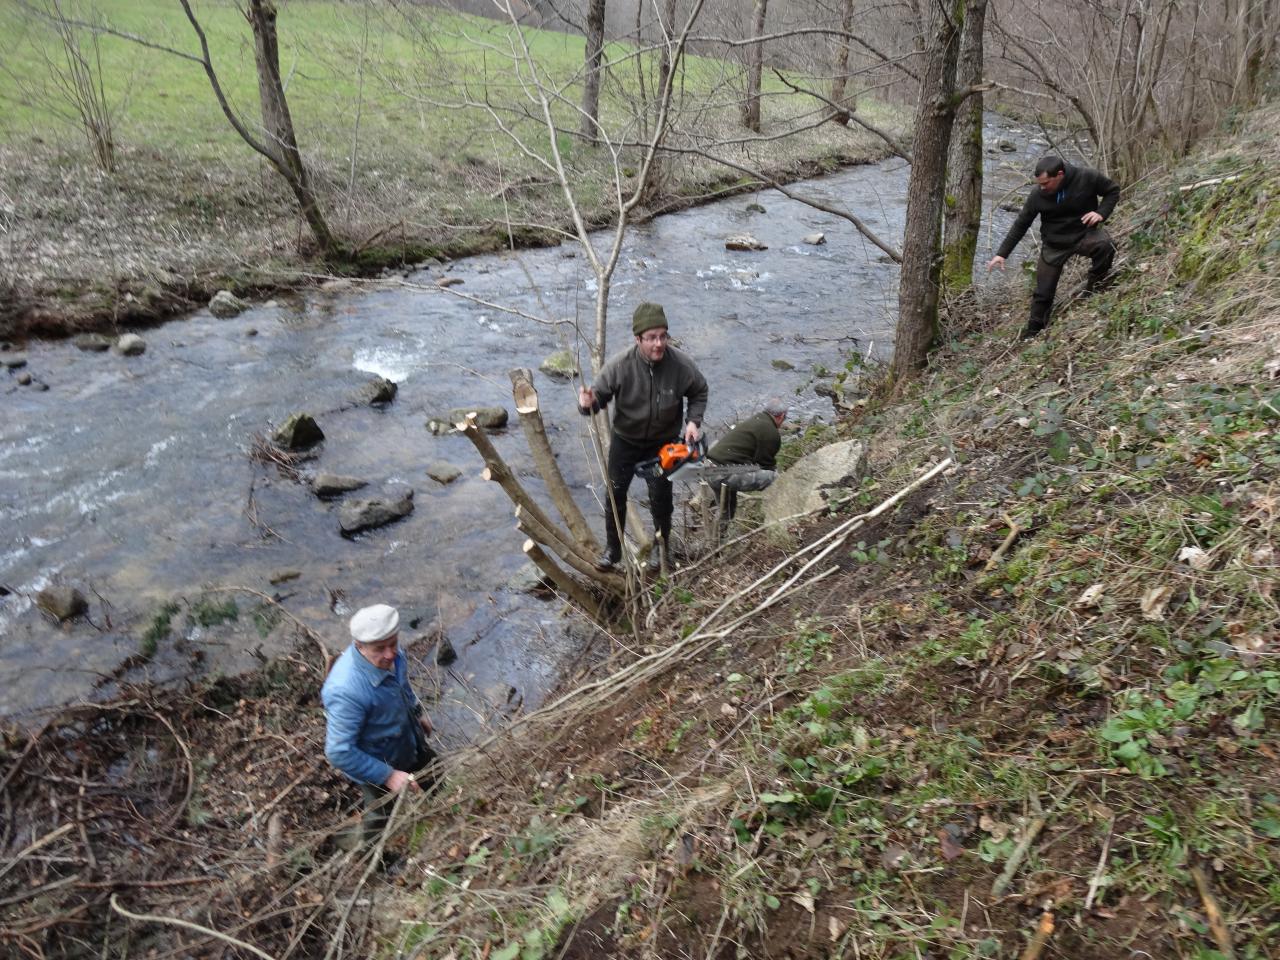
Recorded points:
(91,252)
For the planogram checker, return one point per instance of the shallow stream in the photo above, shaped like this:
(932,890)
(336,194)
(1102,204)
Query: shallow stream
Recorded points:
(130,478)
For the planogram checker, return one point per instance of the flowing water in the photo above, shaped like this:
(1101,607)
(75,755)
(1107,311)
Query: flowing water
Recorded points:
(130,476)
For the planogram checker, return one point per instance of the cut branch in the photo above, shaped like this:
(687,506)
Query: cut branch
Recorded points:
(563,581)
(544,458)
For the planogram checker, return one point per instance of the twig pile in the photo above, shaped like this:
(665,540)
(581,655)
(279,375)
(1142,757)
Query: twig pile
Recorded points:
(179,824)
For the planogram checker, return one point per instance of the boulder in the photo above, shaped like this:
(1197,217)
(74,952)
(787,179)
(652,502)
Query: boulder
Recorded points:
(448,281)
(1007,146)
(559,366)
(490,418)
(334,484)
(807,486)
(14,361)
(366,514)
(130,345)
(91,342)
(226,304)
(283,576)
(378,390)
(436,427)
(782,365)
(815,239)
(62,603)
(528,579)
(443,472)
(744,242)
(754,208)
(24,379)
(298,432)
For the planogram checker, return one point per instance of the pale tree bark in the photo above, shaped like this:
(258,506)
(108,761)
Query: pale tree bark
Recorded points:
(918,282)
(755,67)
(963,213)
(590,121)
(840,68)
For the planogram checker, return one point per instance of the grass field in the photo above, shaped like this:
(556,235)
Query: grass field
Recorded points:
(422,136)
(346,65)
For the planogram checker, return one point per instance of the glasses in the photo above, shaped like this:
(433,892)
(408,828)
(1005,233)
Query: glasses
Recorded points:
(654,338)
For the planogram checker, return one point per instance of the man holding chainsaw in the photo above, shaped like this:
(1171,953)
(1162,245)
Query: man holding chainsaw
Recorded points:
(752,447)
(658,395)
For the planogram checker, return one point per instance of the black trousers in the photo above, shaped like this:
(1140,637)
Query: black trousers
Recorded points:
(623,456)
(1096,245)
(378,800)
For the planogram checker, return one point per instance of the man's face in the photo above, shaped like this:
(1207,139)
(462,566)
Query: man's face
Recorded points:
(381,654)
(1050,182)
(653,344)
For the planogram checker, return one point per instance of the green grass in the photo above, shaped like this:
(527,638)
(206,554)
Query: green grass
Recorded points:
(404,96)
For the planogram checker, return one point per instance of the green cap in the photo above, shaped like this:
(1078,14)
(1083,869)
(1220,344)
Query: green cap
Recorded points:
(648,316)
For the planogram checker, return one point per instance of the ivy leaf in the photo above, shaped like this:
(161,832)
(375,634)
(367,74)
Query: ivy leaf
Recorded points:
(784,797)
(1060,446)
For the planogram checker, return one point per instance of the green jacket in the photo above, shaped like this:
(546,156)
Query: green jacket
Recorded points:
(754,440)
(649,398)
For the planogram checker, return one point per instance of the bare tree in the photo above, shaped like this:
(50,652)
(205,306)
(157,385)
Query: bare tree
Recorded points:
(840,68)
(963,211)
(591,79)
(755,66)
(281,146)
(918,281)
(78,94)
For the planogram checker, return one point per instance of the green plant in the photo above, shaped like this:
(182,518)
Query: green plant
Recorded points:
(807,648)
(209,612)
(157,629)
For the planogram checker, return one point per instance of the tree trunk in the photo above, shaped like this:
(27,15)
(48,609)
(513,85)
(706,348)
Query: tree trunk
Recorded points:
(755,67)
(278,122)
(921,264)
(544,458)
(963,216)
(591,82)
(656,185)
(840,69)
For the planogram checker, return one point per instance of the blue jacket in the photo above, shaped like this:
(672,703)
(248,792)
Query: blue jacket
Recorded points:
(369,715)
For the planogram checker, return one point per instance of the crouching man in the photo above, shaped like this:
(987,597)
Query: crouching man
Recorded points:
(376,731)
(753,442)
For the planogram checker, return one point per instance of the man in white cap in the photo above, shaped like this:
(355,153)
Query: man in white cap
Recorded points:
(376,729)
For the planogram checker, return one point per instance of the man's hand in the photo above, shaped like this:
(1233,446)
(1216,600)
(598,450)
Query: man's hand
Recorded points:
(995,262)
(399,780)
(425,721)
(1091,219)
(691,433)
(586,397)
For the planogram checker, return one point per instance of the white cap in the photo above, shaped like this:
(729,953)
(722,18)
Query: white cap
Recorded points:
(374,624)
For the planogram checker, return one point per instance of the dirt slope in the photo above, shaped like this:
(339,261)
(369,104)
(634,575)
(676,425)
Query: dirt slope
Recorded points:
(1056,663)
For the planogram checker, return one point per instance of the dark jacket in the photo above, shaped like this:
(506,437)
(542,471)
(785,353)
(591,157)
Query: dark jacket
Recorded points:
(649,398)
(754,440)
(1060,213)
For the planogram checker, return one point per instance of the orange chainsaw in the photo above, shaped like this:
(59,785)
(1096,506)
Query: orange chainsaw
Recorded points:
(671,457)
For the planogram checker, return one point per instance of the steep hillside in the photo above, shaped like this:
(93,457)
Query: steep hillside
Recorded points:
(1014,696)
(1031,707)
